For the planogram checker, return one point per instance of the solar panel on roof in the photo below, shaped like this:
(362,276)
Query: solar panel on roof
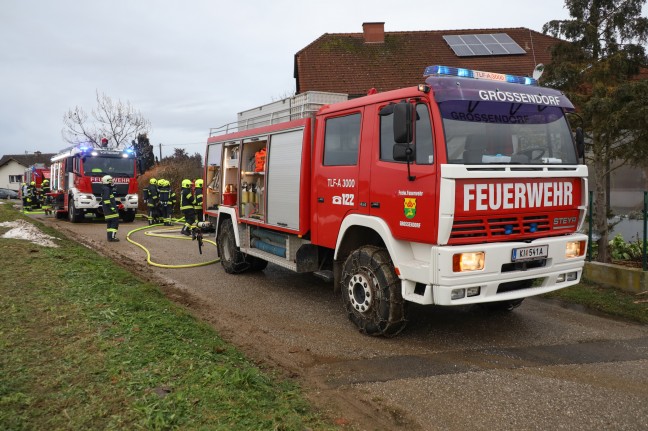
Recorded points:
(513,48)
(470,45)
(463,51)
(496,49)
(480,49)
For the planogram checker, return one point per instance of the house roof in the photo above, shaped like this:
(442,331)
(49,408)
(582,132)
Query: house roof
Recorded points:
(27,159)
(344,63)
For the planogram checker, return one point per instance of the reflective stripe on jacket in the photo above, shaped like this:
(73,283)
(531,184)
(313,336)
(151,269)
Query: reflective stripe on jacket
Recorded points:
(108,203)
(186,199)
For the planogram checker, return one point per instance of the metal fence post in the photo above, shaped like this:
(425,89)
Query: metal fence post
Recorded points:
(589,233)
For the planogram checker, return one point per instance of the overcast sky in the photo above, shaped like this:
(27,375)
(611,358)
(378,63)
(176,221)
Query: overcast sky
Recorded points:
(189,65)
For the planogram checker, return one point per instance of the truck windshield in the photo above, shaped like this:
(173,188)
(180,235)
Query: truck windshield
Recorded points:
(115,166)
(479,132)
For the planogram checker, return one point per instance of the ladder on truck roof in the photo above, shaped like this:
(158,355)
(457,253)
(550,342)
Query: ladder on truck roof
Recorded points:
(291,108)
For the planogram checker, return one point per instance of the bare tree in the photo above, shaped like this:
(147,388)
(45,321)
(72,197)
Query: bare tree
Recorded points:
(118,122)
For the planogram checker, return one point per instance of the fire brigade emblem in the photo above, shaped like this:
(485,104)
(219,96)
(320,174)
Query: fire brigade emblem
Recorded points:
(409,207)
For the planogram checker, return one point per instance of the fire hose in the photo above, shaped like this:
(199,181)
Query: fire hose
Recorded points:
(164,233)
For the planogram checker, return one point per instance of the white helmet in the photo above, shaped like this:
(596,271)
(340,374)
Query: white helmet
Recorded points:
(106,179)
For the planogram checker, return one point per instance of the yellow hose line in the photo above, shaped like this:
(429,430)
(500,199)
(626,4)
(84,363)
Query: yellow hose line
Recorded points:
(160,265)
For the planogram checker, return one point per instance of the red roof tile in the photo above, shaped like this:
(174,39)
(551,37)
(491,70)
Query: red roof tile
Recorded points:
(344,63)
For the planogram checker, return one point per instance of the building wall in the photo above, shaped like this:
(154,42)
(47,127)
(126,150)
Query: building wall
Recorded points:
(11,168)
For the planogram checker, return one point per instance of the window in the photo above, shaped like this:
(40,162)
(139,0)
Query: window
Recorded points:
(422,137)
(15,178)
(341,140)
(504,133)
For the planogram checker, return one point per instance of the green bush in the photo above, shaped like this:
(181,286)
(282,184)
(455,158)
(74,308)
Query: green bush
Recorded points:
(621,250)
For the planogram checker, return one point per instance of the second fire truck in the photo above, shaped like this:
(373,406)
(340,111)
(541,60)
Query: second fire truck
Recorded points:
(76,181)
(465,189)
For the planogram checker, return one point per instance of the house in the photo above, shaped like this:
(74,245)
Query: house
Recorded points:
(354,63)
(13,166)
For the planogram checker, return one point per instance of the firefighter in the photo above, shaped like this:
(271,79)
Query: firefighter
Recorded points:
(173,199)
(152,201)
(166,206)
(110,210)
(45,189)
(198,199)
(31,196)
(23,195)
(187,208)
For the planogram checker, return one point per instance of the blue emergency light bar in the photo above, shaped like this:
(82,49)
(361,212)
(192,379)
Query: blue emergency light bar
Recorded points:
(477,74)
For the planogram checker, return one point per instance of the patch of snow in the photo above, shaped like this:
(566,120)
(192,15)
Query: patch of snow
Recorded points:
(20,229)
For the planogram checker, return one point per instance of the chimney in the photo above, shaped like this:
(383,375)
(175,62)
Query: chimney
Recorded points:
(373,32)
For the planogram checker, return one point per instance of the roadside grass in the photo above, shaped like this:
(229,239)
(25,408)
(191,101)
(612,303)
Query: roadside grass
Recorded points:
(87,345)
(608,300)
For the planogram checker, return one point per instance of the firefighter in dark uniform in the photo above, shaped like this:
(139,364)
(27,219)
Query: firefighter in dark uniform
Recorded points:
(45,200)
(164,192)
(173,198)
(187,208)
(153,202)
(31,196)
(198,199)
(110,210)
(23,195)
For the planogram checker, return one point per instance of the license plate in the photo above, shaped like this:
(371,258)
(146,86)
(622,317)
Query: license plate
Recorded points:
(527,253)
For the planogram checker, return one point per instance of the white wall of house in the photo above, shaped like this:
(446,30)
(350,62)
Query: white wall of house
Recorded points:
(8,172)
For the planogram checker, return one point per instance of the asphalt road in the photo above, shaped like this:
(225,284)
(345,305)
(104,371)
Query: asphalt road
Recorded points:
(542,366)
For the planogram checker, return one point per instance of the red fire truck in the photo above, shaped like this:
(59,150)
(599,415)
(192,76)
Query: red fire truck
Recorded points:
(76,181)
(466,189)
(36,173)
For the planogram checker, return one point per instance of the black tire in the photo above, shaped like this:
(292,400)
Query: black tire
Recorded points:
(128,216)
(73,214)
(371,292)
(232,260)
(502,306)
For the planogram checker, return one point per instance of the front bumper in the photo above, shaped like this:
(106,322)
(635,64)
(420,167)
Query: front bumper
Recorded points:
(501,279)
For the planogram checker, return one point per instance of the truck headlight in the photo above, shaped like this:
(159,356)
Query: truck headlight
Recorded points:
(574,249)
(473,261)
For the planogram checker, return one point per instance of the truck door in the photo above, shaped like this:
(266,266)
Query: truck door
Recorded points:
(407,202)
(336,173)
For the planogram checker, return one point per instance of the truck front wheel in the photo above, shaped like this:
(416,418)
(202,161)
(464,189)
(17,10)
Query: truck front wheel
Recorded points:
(73,213)
(231,257)
(371,292)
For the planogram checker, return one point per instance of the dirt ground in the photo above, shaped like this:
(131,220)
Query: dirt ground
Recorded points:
(541,366)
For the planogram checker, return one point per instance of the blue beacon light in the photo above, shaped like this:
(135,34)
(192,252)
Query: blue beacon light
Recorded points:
(477,74)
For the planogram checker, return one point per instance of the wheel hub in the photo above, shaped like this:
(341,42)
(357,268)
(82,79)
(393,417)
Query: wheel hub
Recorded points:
(360,291)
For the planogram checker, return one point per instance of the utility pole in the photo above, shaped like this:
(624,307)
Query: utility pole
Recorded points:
(160,144)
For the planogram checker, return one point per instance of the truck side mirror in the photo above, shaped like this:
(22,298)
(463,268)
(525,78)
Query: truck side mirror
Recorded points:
(404,152)
(403,114)
(580,142)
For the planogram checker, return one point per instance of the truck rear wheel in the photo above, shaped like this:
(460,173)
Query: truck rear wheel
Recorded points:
(128,216)
(231,258)
(371,292)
